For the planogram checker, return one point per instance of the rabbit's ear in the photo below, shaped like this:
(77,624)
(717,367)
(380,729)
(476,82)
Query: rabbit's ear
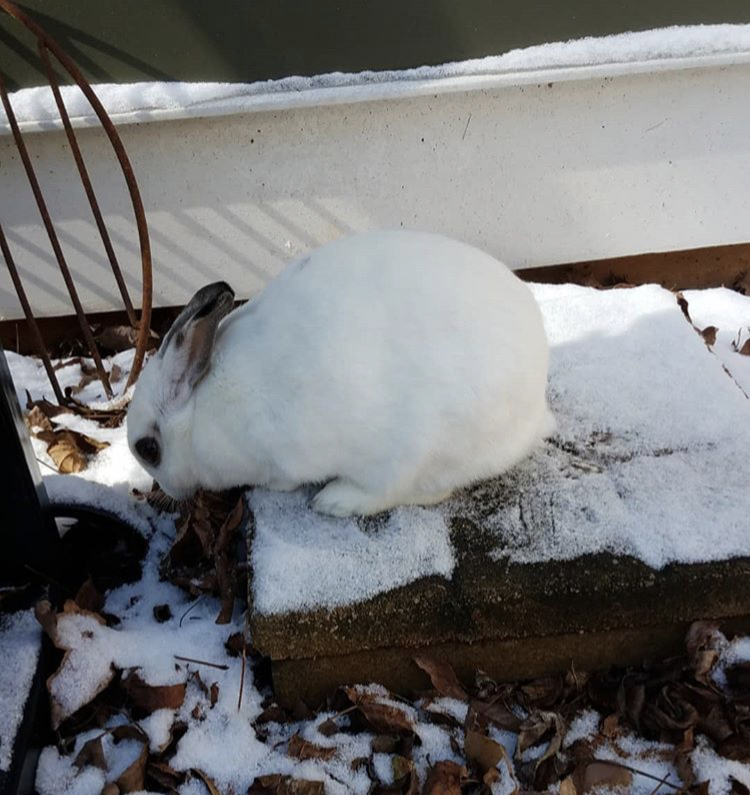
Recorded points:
(187,348)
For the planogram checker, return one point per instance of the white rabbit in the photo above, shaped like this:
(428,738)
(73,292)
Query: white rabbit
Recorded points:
(392,367)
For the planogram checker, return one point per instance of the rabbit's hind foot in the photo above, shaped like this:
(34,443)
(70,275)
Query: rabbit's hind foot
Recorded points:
(343,498)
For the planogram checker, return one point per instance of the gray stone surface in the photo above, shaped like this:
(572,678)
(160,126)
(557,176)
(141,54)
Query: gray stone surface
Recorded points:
(490,599)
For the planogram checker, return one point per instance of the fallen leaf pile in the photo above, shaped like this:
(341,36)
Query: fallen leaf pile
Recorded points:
(70,449)
(206,556)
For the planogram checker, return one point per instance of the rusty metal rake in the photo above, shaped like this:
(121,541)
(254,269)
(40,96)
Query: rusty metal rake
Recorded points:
(49,49)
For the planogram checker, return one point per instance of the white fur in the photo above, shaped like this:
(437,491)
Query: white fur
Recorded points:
(393,366)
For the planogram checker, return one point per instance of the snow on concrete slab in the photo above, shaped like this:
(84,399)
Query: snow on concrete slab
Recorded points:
(20,642)
(650,460)
(651,456)
(303,560)
(35,108)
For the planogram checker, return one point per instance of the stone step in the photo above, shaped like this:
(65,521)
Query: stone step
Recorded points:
(600,549)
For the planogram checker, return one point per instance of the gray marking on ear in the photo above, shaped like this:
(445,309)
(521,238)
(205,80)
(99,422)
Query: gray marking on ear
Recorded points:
(216,297)
(187,348)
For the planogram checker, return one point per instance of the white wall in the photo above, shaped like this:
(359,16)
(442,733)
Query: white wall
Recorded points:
(536,173)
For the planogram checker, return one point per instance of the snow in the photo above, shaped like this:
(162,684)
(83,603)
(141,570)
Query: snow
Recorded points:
(652,439)
(584,726)
(29,374)
(328,562)
(20,642)
(650,758)
(717,770)
(35,107)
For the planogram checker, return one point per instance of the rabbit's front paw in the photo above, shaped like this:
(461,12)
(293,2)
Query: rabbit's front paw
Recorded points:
(343,498)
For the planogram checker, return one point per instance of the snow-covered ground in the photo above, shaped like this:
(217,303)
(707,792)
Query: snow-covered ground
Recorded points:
(20,637)
(35,107)
(658,426)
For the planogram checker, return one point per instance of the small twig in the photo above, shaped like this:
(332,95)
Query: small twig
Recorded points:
(242,678)
(45,464)
(638,772)
(573,672)
(659,785)
(468,121)
(202,662)
(195,604)
(46,577)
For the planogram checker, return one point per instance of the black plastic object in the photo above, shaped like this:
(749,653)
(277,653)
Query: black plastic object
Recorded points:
(29,541)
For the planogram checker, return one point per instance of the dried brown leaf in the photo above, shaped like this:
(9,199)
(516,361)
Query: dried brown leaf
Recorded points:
(385,743)
(683,304)
(709,335)
(302,749)
(442,676)
(37,419)
(496,712)
(543,692)
(133,778)
(70,450)
(401,766)
(611,726)
(483,750)
(48,409)
(91,754)
(224,561)
(595,774)
(164,775)
(88,597)
(328,728)
(495,777)
(116,339)
(716,724)
(736,746)
(235,644)
(745,349)
(444,778)
(273,714)
(631,699)
(277,784)
(384,718)
(704,641)
(149,698)
(207,780)
(214,694)
(535,727)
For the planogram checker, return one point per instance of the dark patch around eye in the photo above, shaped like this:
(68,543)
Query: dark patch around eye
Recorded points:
(148,449)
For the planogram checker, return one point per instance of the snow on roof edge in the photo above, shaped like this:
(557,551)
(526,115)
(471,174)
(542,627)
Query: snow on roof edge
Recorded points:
(660,50)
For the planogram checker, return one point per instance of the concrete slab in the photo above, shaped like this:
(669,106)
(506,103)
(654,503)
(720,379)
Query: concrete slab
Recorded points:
(633,521)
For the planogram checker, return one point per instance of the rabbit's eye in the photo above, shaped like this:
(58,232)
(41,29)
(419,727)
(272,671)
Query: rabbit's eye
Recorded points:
(148,449)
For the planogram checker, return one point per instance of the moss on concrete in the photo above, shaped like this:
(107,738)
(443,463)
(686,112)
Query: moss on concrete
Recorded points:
(496,600)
